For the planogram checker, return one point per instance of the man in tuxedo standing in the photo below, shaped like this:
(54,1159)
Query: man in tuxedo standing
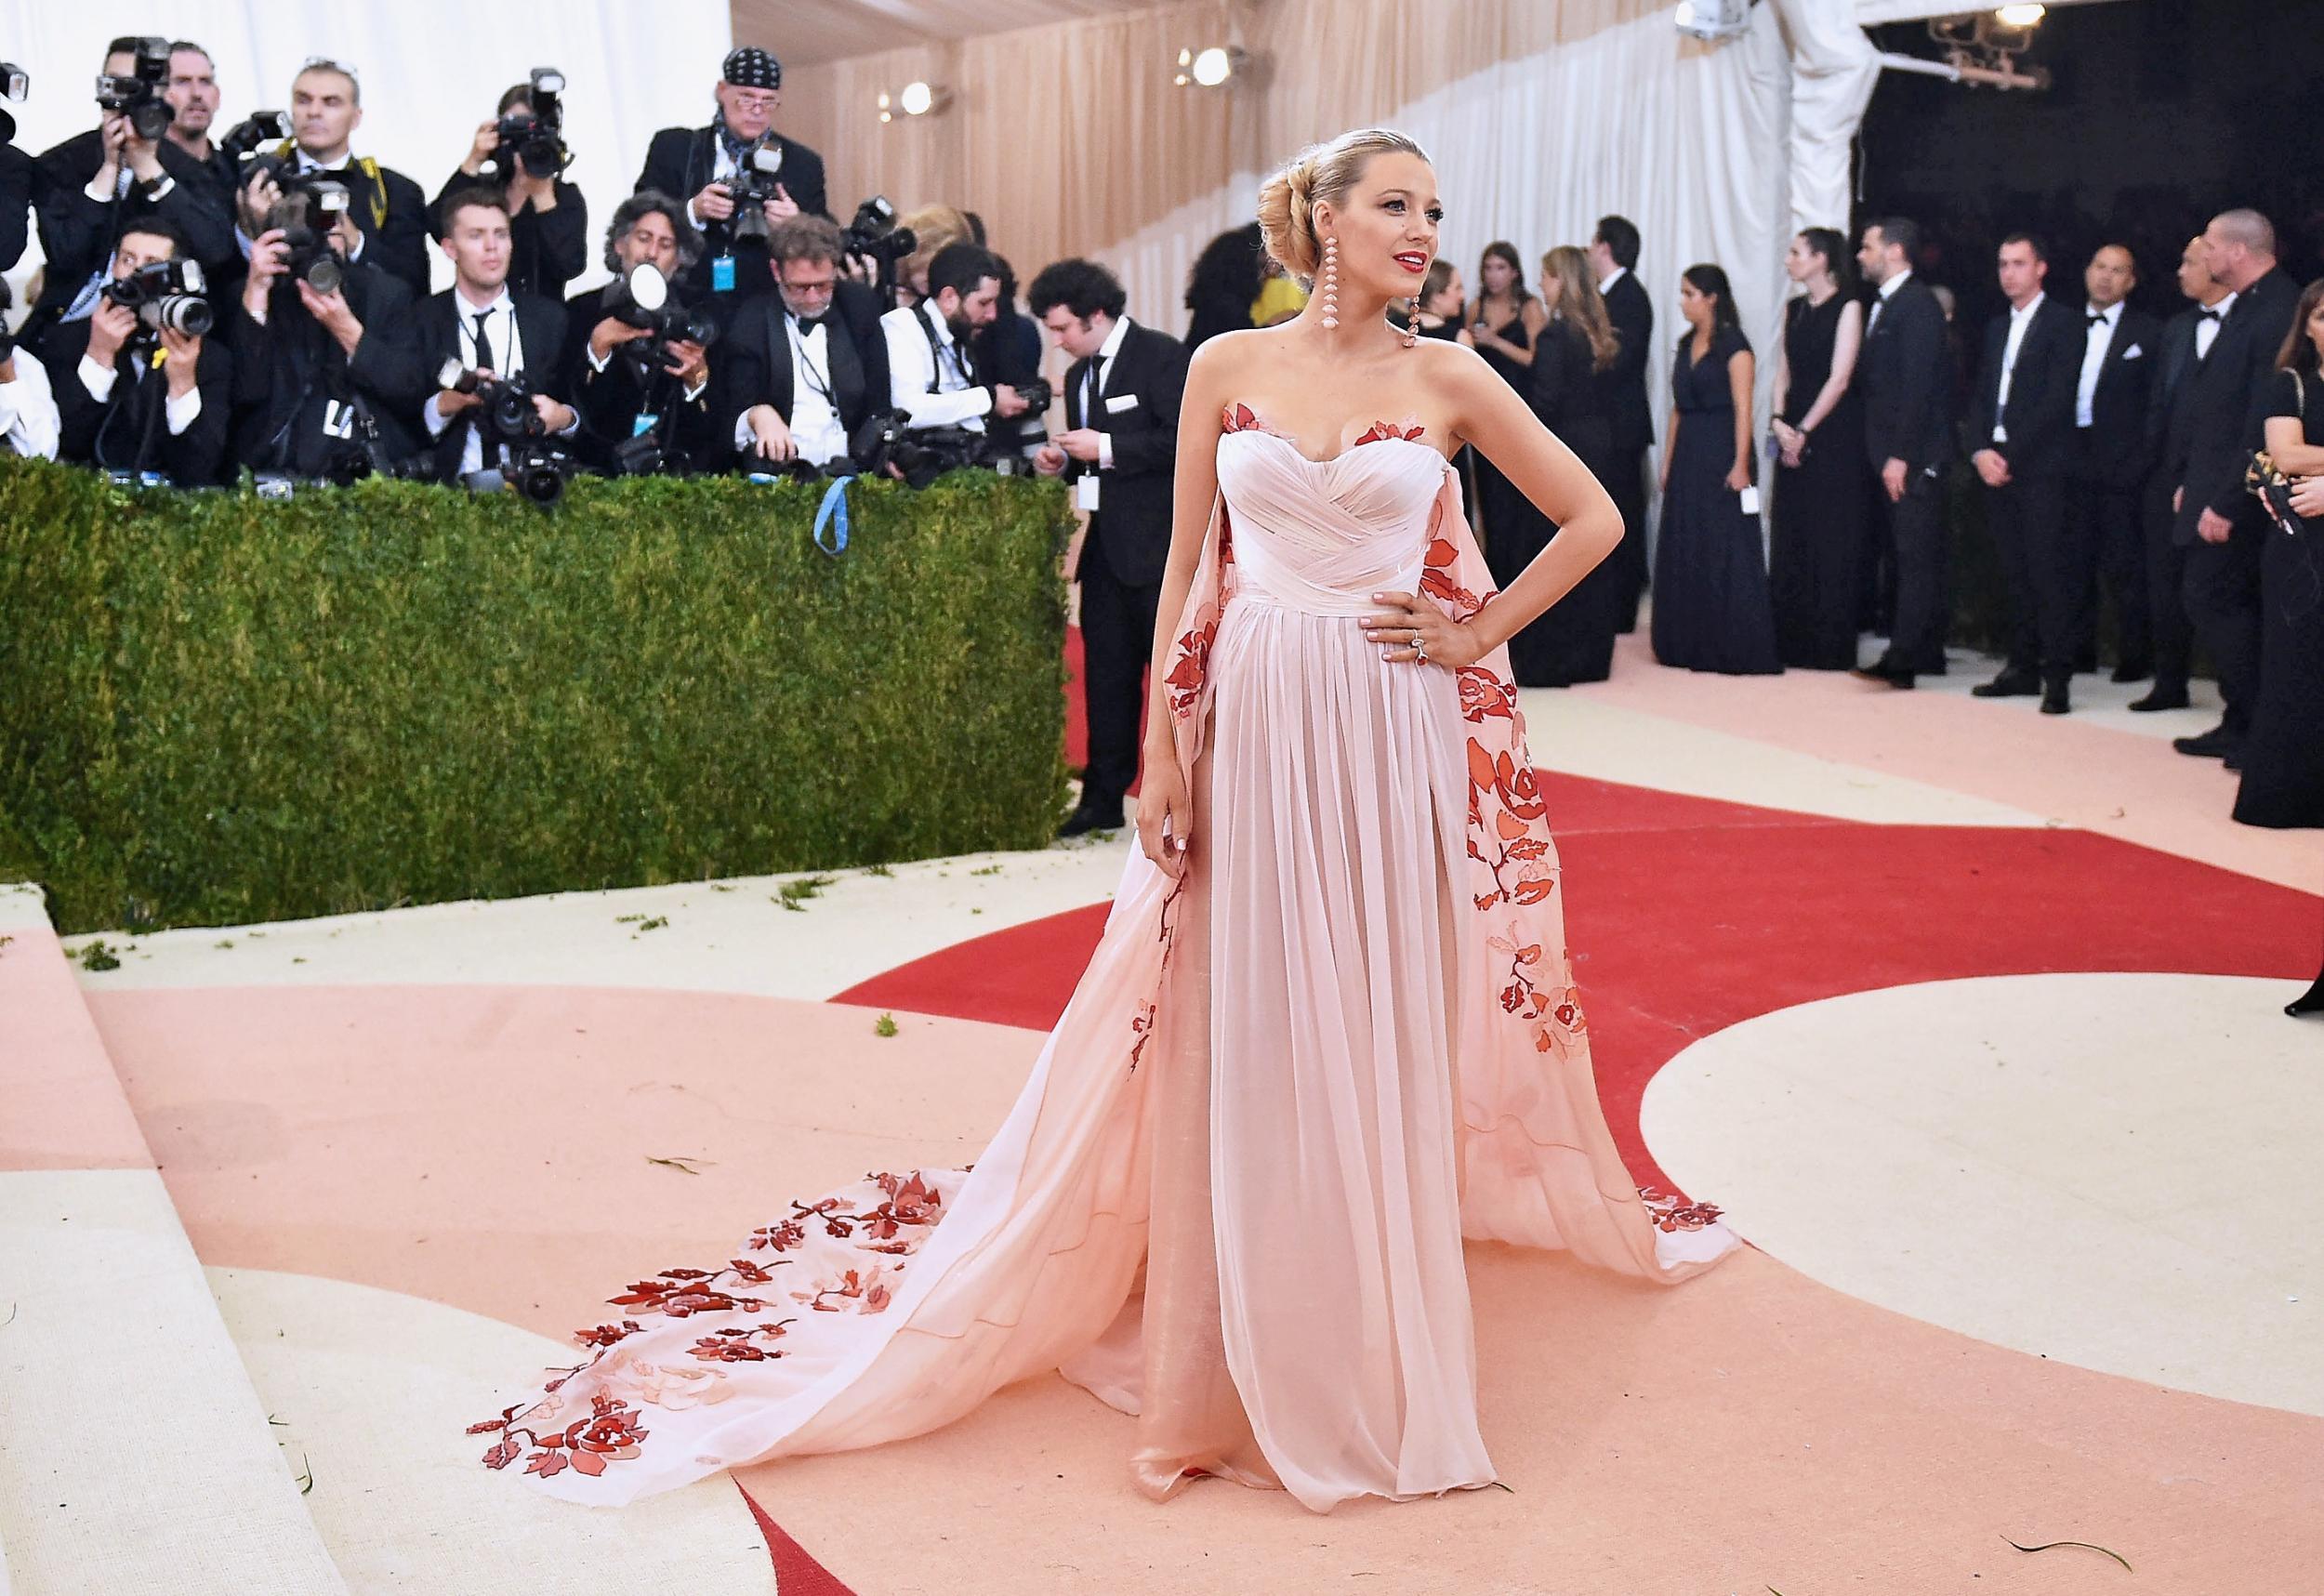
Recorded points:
(1907,436)
(485,326)
(695,163)
(2104,543)
(1613,256)
(798,370)
(2185,339)
(1120,449)
(2022,430)
(2222,527)
(389,212)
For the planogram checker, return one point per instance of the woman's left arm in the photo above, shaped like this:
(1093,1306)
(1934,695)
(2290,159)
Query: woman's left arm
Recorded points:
(1740,379)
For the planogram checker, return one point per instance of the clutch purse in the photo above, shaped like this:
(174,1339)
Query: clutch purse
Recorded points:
(2273,489)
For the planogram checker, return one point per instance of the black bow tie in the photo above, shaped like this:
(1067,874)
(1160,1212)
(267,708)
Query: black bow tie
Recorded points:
(809,323)
(2207,315)
(2097,318)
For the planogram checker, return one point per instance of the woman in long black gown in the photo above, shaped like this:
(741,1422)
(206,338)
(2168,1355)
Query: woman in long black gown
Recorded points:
(1572,390)
(1710,606)
(1816,550)
(2283,754)
(1502,324)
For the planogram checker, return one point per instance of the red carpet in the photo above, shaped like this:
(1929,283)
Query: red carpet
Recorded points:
(1687,916)
(796,1573)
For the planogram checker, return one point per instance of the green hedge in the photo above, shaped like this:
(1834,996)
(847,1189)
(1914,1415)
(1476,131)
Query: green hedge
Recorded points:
(217,709)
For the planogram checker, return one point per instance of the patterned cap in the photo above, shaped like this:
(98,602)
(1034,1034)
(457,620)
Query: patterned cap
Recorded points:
(751,67)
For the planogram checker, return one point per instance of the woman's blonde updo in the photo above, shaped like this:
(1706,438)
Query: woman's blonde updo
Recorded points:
(1321,174)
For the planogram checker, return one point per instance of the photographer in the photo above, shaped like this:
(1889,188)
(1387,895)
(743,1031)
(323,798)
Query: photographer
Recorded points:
(1122,398)
(389,213)
(492,332)
(802,368)
(322,374)
(95,184)
(739,176)
(190,88)
(521,153)
(621,392)
(141,387)
(928,371)
(28,410)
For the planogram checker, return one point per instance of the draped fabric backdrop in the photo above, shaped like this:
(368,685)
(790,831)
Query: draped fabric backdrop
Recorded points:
(431,71)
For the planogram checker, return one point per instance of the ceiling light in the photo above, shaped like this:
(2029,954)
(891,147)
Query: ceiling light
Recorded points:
(917,99)
(2019,16)
(1210,66)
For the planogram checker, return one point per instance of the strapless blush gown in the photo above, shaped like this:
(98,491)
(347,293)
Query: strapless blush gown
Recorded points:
(1231,1198)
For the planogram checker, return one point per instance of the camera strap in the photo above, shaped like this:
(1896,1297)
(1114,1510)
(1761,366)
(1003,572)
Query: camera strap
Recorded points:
(936,347)
(832,513)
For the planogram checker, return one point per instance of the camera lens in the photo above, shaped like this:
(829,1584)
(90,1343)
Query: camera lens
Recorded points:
(324,273)
(186,314)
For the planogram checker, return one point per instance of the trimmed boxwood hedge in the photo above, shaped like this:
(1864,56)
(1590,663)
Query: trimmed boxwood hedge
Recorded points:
(217,709)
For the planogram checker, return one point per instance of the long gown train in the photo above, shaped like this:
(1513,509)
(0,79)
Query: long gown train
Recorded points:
(1232,1196)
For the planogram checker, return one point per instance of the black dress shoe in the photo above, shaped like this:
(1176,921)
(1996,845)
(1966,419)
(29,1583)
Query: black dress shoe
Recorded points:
(2055,700)
(1090,817)
(1887,676)
(2161,697)
(2216,743)
(2309,1002)
(2011,684)
(2132,670)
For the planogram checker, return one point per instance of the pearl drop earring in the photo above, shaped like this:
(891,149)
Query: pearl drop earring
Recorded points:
(1331,284)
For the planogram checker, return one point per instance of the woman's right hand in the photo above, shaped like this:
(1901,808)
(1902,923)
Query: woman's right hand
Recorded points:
(1164,807)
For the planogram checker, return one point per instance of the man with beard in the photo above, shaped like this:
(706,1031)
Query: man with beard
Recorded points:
(929,374)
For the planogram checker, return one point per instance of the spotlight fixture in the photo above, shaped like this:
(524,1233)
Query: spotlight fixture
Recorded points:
(1210,66)
(1982,48)
(1713,19)
(2019,16)
(915,98)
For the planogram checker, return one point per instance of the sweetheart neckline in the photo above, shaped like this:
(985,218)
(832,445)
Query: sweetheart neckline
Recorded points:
(1261,427)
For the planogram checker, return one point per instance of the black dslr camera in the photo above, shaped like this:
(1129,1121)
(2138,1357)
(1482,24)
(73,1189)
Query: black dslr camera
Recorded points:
(15,84)
(534,136)
(138,93)
(872,232)
(243,139)
(531,462)
(919,456)
(751,186)
(166,295)
(642,298)
(311,207)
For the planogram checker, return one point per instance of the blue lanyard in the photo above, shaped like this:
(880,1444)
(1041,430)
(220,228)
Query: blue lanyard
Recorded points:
(833,513)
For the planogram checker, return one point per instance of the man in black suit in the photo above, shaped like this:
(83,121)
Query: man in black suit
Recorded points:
(798,370)
(2021,431)
(1908,434)
(548,218)
(618,391)
(1120,448)
(135,398)
(2185,339)
(2222,527)
(94,185)
(695,163)
(389,211)
(487,328)
(1614,254)
(2107,471)
(323,380)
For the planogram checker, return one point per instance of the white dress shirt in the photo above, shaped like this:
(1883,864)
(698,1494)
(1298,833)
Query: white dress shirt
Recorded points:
(912,364)
(2020,318)
(1094,400)
(817,434)
(508,347)
(28,409)
(178,411)
(1610,279)
(2095,349)
(1887,292)
(2207,331)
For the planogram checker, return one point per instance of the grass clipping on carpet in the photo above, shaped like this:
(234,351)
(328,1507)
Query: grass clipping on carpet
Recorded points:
(220,709)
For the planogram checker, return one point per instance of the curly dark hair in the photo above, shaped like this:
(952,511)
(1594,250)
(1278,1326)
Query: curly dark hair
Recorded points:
(1082,286)
(645,202)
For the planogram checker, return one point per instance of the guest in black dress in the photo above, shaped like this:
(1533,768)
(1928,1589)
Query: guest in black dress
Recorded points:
(2283,753)
(1442,296)
(1710,606)
(1227,278)
(1573,372)
(1815,562)
(1503,324)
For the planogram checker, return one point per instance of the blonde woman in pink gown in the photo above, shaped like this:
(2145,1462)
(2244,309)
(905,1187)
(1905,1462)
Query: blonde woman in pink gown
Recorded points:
(1330,1029)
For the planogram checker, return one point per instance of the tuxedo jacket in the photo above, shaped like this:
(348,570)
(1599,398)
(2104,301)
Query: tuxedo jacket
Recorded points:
(541,337)
(1632,314)
(751,364)
(681,161)
(546,249)
(287,372)
(113,433)
(2166,415)
(2121,451)
(20,186)
(2226,398)
(2038,417)
(610,402)
(77,233)
(1907,376)
(1138,407)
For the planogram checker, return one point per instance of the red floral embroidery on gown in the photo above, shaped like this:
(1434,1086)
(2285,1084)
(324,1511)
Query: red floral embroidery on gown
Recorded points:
(1232,1196)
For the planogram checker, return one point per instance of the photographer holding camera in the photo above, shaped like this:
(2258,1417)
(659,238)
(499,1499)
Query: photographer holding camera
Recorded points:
(930,375)
(389,212)
(739,176)
(326,362)
(639,372)
(95,184)
(28,408)
(521,152)
(495,350)
(803,367)
(144,388)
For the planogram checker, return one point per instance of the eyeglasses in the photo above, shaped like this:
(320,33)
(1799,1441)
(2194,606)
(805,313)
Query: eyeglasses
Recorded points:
(326,63)
(755,102)
(809,290)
